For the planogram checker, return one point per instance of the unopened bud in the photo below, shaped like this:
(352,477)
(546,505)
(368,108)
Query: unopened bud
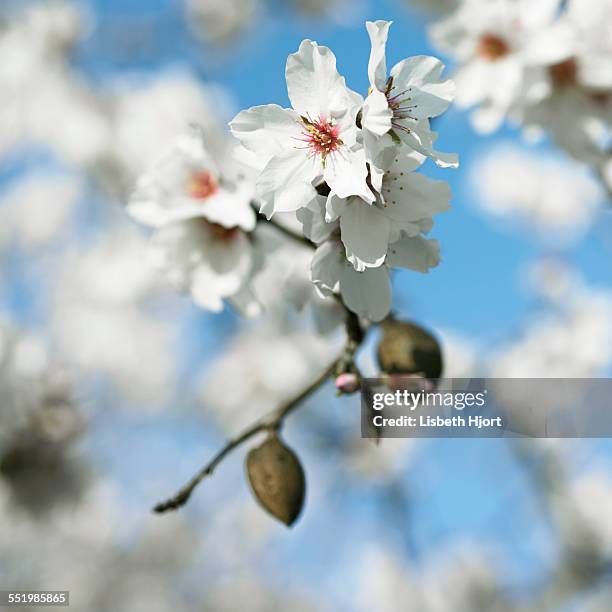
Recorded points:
(348,383)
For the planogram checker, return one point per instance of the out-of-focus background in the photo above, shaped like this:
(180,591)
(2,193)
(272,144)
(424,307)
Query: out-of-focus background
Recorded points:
(114,389)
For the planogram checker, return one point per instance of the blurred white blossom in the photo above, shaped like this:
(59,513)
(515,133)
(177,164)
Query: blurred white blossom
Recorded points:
(37,207)
(551,197)
(261,368)
(99,316)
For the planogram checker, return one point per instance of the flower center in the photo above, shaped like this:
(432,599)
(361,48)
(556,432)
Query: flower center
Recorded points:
(564,73)
(492,48)
(202,185)
(400,104)
(321,136)
(223,234)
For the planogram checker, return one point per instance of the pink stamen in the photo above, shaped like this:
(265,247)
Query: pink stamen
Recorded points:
(223,234)
(321,136)
(202,185)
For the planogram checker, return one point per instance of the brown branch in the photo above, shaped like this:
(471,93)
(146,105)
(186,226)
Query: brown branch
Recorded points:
(287,232)
(270,422)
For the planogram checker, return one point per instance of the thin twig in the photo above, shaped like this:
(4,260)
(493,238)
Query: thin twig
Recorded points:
(287,232)
(270,422)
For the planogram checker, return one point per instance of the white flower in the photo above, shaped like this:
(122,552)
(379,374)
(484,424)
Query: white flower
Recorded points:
(36,209)
(368,293)
(355,153)
(99,318)
(406,204)
(149,115)
(399,106)
(314,141)
(578,113)
(188,183)
(202,214)
(208,260)
(578,121)
(591,21)
(503,48)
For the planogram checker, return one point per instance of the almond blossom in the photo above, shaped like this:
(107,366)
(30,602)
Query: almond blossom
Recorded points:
(347,166)
(504,49)
(314,141)
(202,215)
(366,292)
(406,204)
(400,105)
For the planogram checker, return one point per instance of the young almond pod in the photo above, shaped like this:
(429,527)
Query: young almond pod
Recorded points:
(406,348)
(277,479)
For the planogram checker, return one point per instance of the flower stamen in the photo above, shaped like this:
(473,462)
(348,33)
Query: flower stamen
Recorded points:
(492,47)
(322,137)
(202,185)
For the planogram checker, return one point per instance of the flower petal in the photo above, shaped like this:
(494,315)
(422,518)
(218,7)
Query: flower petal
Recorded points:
(286,182)
(315,88)
(346,173)
(365,233)
(376,114)
(426,95)
(267,130)
(326,267)
(410,197)
(312,218)
(377,66)
(366,293)
(194,258)
(443,160)
(415,253)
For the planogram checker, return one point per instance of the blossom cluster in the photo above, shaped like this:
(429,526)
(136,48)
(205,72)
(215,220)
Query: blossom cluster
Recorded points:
(343,165)
(346,165)
(544,65)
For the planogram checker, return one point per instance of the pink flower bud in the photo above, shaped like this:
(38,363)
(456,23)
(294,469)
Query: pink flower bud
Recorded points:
(347,383)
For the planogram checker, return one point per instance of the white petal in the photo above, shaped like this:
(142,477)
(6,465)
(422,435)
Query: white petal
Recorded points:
(487,118)
(418,253)
(312,218)
(366,293)
(419,77)
(443,160)
(162,195)
(326,267)
(334,207)
(551,45)
(538,14)
(193,258)
(410,197)
(315,88)
(346,173)
(267,130)
(377,66)
(246,303)
(472,80)
(365,234)
(376,114)
(286,183)
(230,207)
